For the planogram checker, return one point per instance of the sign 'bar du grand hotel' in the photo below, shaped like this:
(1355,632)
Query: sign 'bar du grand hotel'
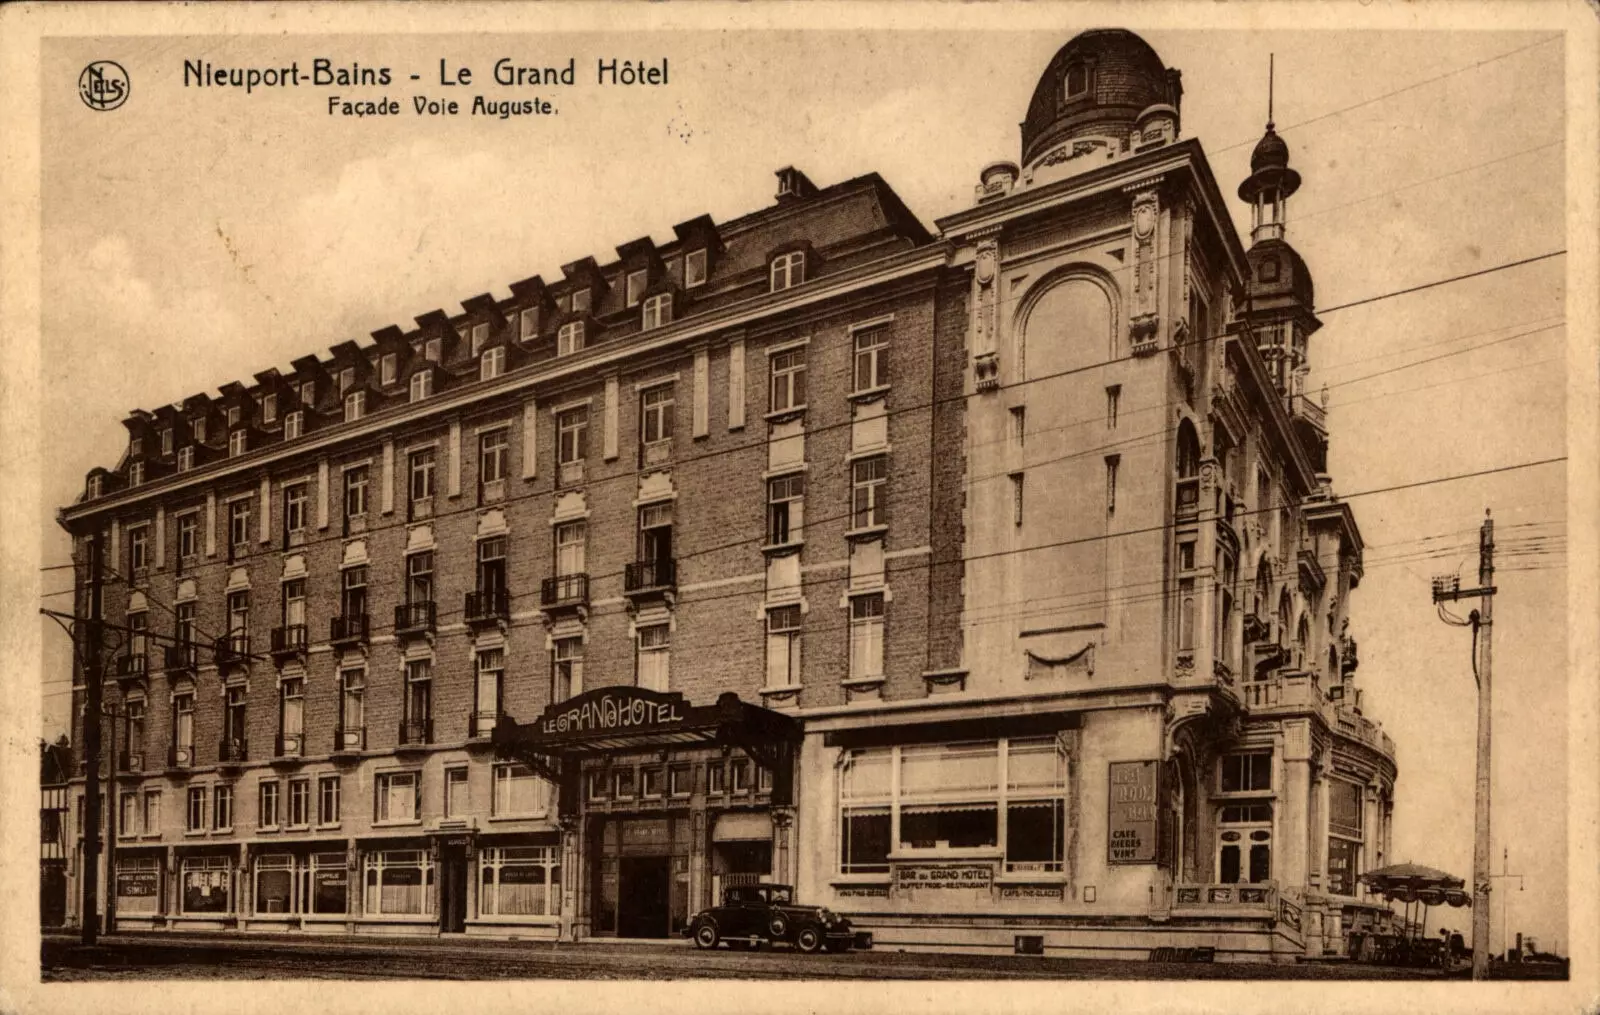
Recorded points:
(985,584)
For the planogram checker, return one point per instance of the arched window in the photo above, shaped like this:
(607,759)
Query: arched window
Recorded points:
(1302,638)
(1283,618)
(1077,80)
(1263,590)
(1188,451)
(1068,327)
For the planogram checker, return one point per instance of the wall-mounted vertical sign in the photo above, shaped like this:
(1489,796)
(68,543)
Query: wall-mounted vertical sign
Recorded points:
(1131,818)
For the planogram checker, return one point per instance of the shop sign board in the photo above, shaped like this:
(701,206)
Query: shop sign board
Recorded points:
(1131,824)
(939,876)
(132,884)
(1051,892)
(612,710)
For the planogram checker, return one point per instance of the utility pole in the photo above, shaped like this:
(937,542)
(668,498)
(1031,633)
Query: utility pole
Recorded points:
(113,814)
(93,676)
(1505,903)
(1448,589)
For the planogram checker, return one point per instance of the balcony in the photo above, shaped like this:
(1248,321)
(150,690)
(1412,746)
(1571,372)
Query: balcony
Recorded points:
(349,740)
(232,750)
(564,592)
(130,761)
(414,733)
(231,650)
(179,658)
(646,577)
(288,746)
(1188,505)
(131,664)
(289,640)
(180,756)
(349,629)
(488,606)
(414,618)
(480,725)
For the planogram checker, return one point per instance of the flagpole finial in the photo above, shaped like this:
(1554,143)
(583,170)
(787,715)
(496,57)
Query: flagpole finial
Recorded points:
(1271,59)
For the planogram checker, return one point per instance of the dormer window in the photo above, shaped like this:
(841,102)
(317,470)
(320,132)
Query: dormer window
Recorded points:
(237,443)
(581,301)
(694,269)
(293,425)
(657,311)
(1269,270)
(199,431)
(135,473)
(637,280)
(788,270)
(388,368)
(347,380)
(480,335)
(233,415)
(570,338)
(528,326)
(433,350)
(1077,82)
(95,487)
(421,385)
(186,458)
(166,441)
(492,363)
(355,406)
(269,408)
(308,393)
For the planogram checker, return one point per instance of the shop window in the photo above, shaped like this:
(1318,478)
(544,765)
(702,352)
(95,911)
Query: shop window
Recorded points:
(398,882)
(948,797)
(1036,771)
(457,793)
(330,880)
(864,816)
(399,796)
(206,884)
(1246,772)
(518,792)
(139,885)
(1345,835)
(275,884)
(520,881)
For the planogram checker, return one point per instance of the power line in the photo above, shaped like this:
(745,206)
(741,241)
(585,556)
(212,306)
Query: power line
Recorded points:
(1444,281)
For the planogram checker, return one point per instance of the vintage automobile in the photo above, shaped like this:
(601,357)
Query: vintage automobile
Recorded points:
(754,915)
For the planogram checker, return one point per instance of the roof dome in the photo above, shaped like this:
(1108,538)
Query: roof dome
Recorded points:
(1098,83)
(1278,274)
(1269,168)
(1271,152)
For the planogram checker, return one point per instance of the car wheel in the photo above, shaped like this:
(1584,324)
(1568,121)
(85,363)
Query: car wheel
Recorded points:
(778,926)
(809,940)
(706,935)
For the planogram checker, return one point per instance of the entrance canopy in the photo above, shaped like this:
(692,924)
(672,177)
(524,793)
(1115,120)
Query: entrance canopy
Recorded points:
(612,720)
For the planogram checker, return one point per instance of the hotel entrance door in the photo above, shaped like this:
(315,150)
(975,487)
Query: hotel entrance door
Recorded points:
(641,876)
(643,909)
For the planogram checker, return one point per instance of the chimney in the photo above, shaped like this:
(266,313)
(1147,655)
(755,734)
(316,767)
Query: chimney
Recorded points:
(793,184)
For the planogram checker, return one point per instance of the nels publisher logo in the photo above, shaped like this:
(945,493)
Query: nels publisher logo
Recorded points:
(103,85)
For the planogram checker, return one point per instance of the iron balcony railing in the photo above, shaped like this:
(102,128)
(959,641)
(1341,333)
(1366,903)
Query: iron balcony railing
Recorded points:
(179,657)
(130,761)
(231,649)
(232,750)
(488,604)
(289,639)
(416,732)
(410,618)
(646,575)
(564,590)
(131,665)
(349,628)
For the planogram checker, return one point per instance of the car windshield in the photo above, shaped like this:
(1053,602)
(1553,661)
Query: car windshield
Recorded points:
(781,896)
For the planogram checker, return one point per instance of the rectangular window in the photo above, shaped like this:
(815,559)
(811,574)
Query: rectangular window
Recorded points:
(295,504)
(292,703)
(355,498)
(457,800)
(1019,425)
(166,441)
(715,776)
(347,379)
(152,812)
(233,415)
(566,670)
(480,335)
(388,368)
(866,636)
(654,657)
(597,784)
(694,269)
(635,286)
(572,431)
(195,815)
(353,591)
(582,300)
(1186,614)
(207,884)
(136,473)
(623,783)
(657,311)
(419,577)
(680,780)
(419,700)
(739,776)
(1113,462)
(872,358)
(239,526)
(308,393)
(783,646)
(420,488)
(1016,499)
(529,323)
(299,815)
(139,547)
(788,380)
(491,664)
(267,812)
(492,363)
(355,406)
(655,415)
(328,800)
(788,270)
(421,385)
(183,728)
(569,339)
(1113,405)
(128,815)
(185,463)
(520,881)
(650,783)
(492,564)
(278,884)
(1246,772)
(398,882)
(188,536)
(352,710)
(868,496)
(198,428)
(570,540)
(785,509)
(493,449)
(269,407)
(433,350)
(517,792)
(135,706)
(293,425)
(222,808)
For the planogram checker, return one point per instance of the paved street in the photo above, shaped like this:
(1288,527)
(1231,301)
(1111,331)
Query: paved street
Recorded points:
(164,956)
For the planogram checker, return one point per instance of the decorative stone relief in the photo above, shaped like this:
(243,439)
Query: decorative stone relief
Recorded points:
(986,365)
(1045,667)
(1146,317)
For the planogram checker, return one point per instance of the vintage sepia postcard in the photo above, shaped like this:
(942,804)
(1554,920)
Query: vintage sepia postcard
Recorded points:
(766,507)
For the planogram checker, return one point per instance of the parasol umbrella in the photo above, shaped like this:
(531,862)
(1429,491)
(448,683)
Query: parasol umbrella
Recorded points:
(1411,882)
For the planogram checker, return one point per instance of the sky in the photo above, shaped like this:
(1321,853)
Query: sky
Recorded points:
(197,236)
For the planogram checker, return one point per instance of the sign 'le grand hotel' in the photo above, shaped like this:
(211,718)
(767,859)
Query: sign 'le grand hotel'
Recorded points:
(913,665)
